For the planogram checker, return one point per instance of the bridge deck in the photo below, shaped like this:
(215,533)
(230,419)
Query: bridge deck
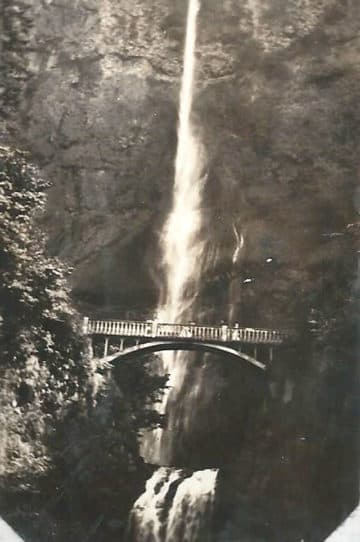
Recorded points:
(163,331)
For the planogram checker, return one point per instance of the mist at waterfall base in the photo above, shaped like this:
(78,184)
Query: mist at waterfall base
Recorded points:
(177,506)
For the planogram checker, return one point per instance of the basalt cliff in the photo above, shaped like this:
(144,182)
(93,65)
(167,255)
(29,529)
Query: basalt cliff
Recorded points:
(91,87)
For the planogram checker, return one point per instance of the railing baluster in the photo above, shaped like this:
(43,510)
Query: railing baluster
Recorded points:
(154,329)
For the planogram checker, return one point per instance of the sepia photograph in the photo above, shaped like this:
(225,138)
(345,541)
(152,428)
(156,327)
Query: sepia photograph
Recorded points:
(179,270)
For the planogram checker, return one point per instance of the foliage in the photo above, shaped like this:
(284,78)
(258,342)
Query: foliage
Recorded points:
(16,25)
(43,363)
(65,427)
(40,338)
(99,471)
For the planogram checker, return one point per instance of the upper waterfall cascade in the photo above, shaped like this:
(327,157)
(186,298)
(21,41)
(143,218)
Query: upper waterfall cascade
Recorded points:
(181,242)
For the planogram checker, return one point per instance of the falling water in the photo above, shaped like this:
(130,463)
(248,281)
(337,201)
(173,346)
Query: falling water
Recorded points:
(181,241)
(182,244)
(177,506)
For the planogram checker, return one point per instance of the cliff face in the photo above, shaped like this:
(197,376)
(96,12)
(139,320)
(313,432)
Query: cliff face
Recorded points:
(99,115)
(276,106)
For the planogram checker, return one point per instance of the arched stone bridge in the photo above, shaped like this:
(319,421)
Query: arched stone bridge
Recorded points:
(131,338)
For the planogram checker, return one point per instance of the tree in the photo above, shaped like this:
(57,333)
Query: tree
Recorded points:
(99,472)
(40,334)
(15,29)
(65,427)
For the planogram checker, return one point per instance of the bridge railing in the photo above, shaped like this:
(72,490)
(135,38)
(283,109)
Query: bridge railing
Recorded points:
(154,329)
(115,327)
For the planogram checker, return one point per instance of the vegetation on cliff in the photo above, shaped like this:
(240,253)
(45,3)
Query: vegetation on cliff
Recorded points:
(69,432)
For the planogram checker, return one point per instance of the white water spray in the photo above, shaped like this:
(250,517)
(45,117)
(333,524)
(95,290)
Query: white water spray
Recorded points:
(182,244)
(181,240)
(240,241)
(176,506)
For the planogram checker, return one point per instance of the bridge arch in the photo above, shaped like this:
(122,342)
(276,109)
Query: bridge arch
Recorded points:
(160,346)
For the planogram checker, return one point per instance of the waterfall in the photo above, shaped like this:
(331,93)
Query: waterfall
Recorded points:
(181,241)
(177,506)
(182,245)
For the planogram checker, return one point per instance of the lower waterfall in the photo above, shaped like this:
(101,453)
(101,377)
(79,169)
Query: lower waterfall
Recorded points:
(176,506)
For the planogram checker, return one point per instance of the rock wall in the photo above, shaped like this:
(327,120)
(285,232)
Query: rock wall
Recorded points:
(277,108)
(276,105)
